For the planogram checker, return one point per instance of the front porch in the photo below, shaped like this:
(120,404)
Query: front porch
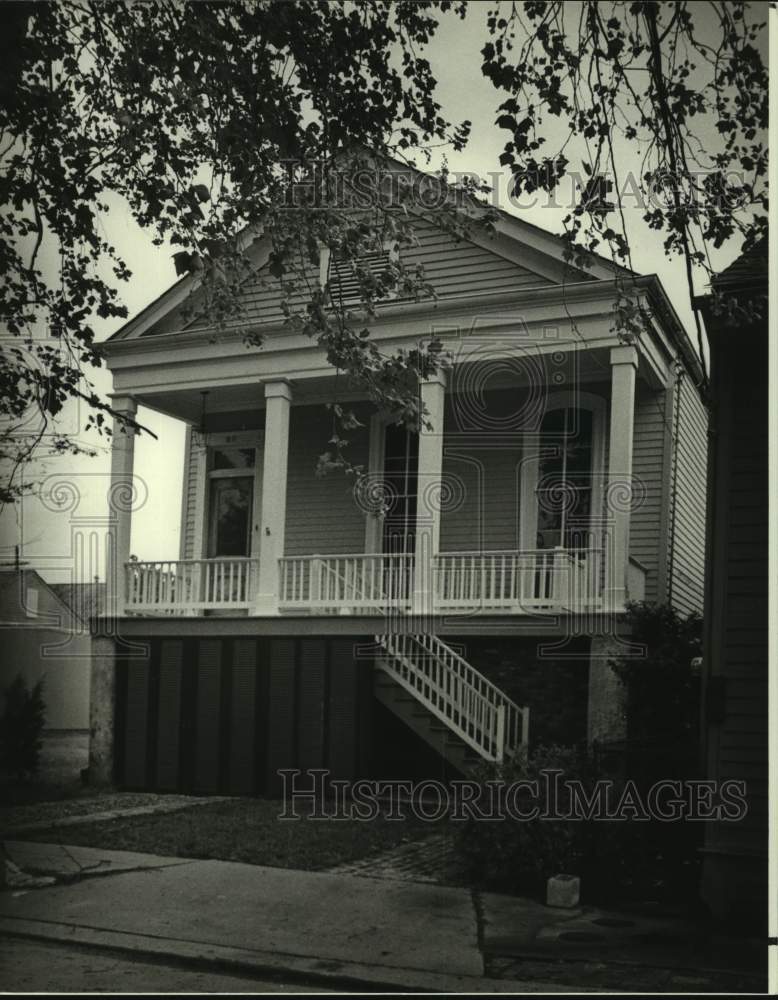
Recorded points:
(462,520)
(513,583)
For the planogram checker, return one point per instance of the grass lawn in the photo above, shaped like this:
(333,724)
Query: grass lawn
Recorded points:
(247,830)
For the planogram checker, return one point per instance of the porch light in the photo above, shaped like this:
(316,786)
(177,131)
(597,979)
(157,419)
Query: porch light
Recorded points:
(200,433)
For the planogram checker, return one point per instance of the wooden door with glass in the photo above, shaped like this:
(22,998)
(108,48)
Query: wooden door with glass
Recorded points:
(233,512)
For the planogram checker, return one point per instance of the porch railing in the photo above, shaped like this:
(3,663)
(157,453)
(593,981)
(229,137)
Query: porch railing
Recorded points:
(502,581)
(358,583)
(499,582)
(187,586)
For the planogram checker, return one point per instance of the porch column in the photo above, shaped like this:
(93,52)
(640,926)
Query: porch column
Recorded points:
(278,397)
(120,495)
(624,361)
(433,396)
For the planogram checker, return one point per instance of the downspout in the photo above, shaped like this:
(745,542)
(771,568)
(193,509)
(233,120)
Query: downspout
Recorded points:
(679,374)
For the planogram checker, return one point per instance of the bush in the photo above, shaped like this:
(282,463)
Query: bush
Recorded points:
(22,727)
(615,859)
(520,855)
(662,688)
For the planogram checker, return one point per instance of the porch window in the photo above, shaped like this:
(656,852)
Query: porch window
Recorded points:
(564,486)
(401,459)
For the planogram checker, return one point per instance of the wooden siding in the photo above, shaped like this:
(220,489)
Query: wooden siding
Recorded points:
(744,628)
(322,516)
(454,268)
(457,268)
(189,487)
(648,463)
(481,479)
(736,619)
(484,511)
(686,558)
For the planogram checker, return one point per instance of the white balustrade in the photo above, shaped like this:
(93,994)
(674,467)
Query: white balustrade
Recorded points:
(189,586)
(517,581)
(514,582)
(346,583)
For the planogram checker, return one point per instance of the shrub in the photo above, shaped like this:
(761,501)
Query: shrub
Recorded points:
(23,720)
(615,859)
(520,855)
(662,687)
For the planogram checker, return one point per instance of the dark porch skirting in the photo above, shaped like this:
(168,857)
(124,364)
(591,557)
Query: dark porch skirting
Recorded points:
(222,715)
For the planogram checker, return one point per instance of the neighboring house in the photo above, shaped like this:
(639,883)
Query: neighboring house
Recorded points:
(735,671)
(492,556)
(85,600)
(43,638)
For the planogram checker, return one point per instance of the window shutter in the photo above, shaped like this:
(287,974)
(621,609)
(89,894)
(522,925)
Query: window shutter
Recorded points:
(344,283)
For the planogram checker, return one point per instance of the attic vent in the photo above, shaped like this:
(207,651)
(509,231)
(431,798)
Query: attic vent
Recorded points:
(345,285)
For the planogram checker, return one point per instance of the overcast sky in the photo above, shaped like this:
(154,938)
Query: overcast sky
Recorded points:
(46,534)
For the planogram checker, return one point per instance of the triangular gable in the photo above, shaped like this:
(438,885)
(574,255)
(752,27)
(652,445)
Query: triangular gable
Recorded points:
(512,255)
(454,268)
(480,265)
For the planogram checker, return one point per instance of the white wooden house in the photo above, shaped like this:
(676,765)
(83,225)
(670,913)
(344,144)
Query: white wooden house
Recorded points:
(563,475)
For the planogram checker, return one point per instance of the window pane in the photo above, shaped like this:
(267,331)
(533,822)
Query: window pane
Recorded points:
(233,458)
(564,493)
(549,532)
(230,516)
(579,442)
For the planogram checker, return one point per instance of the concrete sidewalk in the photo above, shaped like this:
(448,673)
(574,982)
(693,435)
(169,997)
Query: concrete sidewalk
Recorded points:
(348,931)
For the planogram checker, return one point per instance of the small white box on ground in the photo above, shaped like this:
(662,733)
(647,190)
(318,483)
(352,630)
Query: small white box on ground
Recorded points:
(563,890)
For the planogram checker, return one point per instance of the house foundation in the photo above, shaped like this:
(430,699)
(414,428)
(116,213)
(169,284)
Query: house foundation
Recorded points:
(607,700)
(102,712)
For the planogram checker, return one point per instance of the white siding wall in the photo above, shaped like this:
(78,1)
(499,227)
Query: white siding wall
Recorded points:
(189,486)
(322,515)
(686,560)
(648,463)
(454,268)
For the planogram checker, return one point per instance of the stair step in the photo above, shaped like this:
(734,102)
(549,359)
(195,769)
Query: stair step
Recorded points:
(408,706)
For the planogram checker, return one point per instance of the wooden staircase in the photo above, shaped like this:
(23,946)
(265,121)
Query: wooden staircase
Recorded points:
(447,702)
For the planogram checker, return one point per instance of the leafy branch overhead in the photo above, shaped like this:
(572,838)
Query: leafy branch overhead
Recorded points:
(214,125)
(680,89)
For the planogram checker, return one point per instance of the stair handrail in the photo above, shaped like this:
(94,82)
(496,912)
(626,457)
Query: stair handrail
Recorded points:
(508,723)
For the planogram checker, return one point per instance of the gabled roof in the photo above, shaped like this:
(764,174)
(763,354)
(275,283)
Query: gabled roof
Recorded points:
(14,584)
(520,249)
(749,270)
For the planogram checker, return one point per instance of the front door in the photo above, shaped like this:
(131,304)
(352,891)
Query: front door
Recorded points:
(231,501)
(233,497)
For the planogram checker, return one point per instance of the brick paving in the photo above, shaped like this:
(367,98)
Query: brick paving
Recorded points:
(432,860)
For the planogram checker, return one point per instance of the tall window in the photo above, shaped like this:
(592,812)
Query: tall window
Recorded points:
(401,460)
(564,482)
(231,499)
